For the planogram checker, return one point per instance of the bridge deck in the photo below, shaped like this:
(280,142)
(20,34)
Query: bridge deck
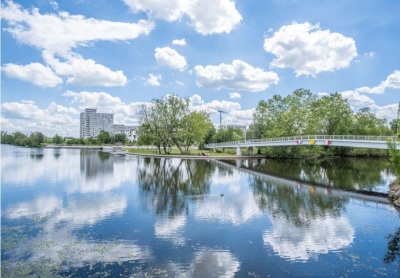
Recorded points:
(354,141)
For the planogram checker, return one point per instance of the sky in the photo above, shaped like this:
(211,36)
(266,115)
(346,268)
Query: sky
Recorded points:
(60,57)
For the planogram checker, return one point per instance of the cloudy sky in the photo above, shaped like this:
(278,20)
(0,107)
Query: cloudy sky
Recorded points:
(59,57)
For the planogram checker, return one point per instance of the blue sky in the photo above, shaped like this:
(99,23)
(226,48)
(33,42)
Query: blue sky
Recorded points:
(59,57)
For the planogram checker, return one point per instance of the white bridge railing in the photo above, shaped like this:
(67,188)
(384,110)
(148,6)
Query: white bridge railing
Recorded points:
(294,139)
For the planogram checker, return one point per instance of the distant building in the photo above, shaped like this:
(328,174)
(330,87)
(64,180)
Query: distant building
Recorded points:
(129,131)
(92,123)
(242,127)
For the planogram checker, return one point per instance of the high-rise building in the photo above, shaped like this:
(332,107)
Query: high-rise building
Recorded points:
(92,123)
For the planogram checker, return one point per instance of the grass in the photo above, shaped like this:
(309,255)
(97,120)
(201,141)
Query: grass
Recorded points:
(175,151)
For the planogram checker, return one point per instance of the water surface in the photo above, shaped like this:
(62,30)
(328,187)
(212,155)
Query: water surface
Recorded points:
(91,214)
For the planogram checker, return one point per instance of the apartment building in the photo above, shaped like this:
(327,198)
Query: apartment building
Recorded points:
(91,123)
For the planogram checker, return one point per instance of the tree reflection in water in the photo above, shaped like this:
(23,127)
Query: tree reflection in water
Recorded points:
(343,173)
(297,205)
(165,183)
(393,251)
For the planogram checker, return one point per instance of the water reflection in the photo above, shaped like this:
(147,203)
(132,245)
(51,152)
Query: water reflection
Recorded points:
(165,183)
(305,223)
(369,174)
(322,235)
(88,214)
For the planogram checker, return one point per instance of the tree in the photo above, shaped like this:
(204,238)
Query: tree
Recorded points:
(168,121)
(119,137)
(226,134)
(194,129)
(366,123)
(331,115)
(104,137)
(57,139)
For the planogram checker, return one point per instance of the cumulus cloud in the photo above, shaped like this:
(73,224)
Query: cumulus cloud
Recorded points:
(238,76)
(153,80)
(124,113)
(26,116)
(169,57)
(84,72)
(206,16)
(67,31)
(357,98)
(215,105)
(309,50)
(181,42)
(234,95)
(35,73)
(392,81)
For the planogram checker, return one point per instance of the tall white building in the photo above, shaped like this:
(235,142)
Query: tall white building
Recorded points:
(92,123)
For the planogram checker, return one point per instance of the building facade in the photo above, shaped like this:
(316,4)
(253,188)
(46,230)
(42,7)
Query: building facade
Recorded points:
(92,123)
(129,131)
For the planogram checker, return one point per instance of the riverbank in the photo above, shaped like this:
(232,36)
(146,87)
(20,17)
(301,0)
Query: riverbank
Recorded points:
(394,194)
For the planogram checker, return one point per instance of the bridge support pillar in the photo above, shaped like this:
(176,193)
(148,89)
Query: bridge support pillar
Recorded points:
(215,150)
(238,151)
(250,151)
(238,163)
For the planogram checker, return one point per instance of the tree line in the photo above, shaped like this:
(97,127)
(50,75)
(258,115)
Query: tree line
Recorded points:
(37,139)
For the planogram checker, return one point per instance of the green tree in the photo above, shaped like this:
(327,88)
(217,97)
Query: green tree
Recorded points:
(104,137)
(366,123)
(168,121)
(195,127)
(226,134)
(119,137)
(331,115)
(57,139)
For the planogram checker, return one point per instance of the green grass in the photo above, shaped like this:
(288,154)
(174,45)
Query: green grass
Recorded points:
(175,151)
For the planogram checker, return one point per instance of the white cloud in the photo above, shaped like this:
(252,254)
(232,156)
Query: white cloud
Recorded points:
(213,263)
(28,117)
(170,229)
(84,72)
(321,236)
(181,42)
(124,113)
(62,32)
(357,99)
(237,208)
(170,58)
(153,80)
(238,76)
(234,95)
(196,99)
(387,111)
(214,105)
(35,73)
(309,50)
(207,16)
(392,81)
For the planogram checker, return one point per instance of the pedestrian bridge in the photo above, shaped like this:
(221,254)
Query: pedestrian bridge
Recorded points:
(353,141)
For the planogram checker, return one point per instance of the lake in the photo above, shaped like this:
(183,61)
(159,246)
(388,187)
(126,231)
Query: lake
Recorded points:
(83,213)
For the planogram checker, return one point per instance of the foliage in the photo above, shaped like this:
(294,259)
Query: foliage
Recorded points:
(168,122)
(303,113)
(35,139)
(104,137)
(225,134)
(57,139)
